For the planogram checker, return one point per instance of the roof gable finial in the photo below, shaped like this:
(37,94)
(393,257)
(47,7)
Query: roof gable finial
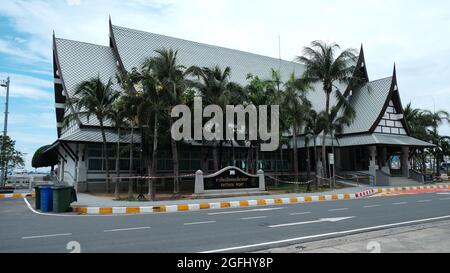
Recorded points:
(394,78)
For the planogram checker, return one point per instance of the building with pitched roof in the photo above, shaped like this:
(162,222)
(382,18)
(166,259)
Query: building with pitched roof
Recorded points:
(378,135)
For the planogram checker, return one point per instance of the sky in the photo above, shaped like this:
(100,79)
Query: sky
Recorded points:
(412,34)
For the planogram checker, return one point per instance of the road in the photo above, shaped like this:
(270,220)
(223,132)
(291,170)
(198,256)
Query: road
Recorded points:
(229,230)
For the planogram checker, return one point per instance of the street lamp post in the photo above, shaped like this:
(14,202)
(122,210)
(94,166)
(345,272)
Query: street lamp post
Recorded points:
(5,131)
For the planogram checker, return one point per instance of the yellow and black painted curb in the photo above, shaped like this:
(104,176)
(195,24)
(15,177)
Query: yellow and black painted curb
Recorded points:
(16,195)
(221,205)
(412,188)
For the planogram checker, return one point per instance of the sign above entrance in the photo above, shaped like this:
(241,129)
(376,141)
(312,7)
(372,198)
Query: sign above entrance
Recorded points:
(229,179)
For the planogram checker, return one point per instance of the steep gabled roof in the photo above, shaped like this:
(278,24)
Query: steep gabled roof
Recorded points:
(134,46)
(368,102)
(393,96)
(79,61)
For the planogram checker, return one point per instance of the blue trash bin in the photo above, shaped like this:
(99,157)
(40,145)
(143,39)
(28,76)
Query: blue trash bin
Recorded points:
(46,199)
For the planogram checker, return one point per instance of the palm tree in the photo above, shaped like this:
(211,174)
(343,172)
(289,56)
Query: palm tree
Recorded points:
(437,118)
(117,116)
(171,78)
(215,88)
(151,100)
(322,65)
(314,125)
(130,100)
(276,84)
(94,98)
(342,114)
(296,105)
(260,92)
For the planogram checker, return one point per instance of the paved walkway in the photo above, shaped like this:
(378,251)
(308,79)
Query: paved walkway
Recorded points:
(98,201)
(423,238)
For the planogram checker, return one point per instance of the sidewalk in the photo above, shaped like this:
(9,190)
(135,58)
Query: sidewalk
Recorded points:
(423,238)
(89,204)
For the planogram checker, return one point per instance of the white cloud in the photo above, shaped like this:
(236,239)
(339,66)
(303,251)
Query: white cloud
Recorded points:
(23,86)
(73,2)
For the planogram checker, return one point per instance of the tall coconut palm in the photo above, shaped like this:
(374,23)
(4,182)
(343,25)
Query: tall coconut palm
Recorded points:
(276,84)
(437,118)
(151,100)
(324,65)
(117,116)
(296,105)
(342,114)
(171,77)
(131,100)
(94,98)
(215,88)
(314,125)
(260,92)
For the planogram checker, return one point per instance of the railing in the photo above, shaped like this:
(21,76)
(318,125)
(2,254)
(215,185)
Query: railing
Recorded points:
(417,176)
(359,178)
(382,178)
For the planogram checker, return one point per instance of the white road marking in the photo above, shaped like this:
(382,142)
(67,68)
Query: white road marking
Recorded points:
(199,223)
(400,203)
(300,213)
(443,193)
(327,234)
(243,211)
(125,229)
(46,236)
(423,201)
(251,218)
(371,206)
(448,198)
(337,219)
(338,209)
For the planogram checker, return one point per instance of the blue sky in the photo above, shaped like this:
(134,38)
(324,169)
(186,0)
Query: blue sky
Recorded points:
(413,34)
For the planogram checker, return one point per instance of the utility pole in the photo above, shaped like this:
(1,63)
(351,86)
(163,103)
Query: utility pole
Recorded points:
(5,132)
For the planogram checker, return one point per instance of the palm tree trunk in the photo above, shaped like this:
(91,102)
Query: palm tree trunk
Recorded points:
(308,166)
(233,155)
(280,171)
(325,131)
(257,148)
(152,165)
(316,181)
(204,159)
(294,150)
(249,164)
(176,181)
(116,190)
(215,157)
(220,153)
(130,172)
(105,153)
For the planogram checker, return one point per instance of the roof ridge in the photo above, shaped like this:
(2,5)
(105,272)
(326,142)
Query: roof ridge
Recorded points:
(380,79)
(208,45)
(81,42)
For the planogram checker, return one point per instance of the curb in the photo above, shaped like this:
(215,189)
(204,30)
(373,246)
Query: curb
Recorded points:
(16,195)
(411,188)
(221,205)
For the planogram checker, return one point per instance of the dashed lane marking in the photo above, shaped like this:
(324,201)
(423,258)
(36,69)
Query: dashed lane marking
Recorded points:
(199,223)
(46,236)
(126,229)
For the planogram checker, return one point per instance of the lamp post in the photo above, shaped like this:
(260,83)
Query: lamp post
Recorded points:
(5,131)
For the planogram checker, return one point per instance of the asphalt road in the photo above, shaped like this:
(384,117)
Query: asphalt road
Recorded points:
(228,230)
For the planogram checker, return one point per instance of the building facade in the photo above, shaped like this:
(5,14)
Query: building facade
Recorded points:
(377,143)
